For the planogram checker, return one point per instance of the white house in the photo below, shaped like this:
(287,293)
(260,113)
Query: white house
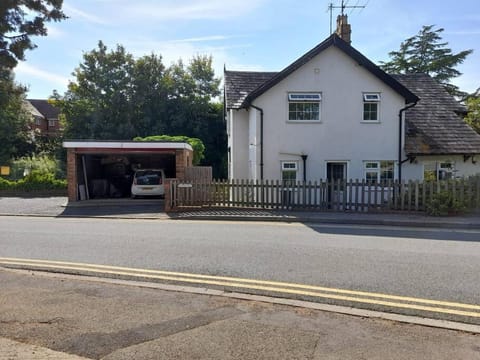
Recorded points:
(333,114)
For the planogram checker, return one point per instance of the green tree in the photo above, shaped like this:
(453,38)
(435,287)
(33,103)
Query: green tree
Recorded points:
(15,137)
(98,104)
(19,21)
(116,96)
(473,108)
(427,53)
(150,96)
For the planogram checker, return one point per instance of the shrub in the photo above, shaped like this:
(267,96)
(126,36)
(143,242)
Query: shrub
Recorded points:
(6,184)
(195,143)
(35,181)
(443,204)
(41,163)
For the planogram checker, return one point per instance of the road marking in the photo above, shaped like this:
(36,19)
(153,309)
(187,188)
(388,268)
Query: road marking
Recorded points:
(445,307)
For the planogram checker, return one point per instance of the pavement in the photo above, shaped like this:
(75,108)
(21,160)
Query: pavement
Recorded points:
(153,209)
(54,316)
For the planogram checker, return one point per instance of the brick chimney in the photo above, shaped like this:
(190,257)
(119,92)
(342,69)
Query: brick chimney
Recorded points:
(343,28)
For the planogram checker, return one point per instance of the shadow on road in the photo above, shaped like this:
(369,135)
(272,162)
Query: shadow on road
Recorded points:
(402,232)
(124,208)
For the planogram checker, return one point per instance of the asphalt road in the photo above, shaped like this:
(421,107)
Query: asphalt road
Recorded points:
(421,263)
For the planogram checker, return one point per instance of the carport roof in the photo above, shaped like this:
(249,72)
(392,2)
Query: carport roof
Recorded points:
(127,145)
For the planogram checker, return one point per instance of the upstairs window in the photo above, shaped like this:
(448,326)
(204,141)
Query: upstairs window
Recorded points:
(52,122)
(371,104)
(304,106)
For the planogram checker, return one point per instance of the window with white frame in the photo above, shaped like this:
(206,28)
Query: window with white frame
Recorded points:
(52,122)
(371,107)
(304,106)
(289,172)
(376,171)
(441,170)
(38,121)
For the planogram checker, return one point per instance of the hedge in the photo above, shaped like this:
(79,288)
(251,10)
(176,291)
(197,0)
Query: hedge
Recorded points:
(35,181)
(196,144)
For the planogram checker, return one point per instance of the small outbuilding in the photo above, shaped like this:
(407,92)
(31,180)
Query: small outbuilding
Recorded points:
(104,169)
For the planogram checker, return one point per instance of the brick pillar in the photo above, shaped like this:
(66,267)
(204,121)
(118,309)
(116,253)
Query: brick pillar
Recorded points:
(189,155)
(180,163)
(183,159)
(72,175)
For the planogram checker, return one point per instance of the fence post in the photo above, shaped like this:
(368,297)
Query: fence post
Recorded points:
(416,195)
(168,196)
(477,205)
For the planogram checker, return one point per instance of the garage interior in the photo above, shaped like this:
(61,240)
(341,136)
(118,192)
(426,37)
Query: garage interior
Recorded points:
(111,176)
(104,170)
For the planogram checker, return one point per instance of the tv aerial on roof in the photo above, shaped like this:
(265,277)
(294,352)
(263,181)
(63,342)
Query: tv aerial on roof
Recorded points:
(344,5)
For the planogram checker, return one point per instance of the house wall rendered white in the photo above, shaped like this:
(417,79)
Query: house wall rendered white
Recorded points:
(340,135)
(414,171)
(238,143)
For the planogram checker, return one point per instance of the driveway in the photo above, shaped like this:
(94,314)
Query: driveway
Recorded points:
(109,208)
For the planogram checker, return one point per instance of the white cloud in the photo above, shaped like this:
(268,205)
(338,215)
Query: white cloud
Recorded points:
(28,71)
(74,13)
(202,39)
(189,9)
(54,32)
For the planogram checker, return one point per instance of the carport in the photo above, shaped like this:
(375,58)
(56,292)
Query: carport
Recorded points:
(104,169)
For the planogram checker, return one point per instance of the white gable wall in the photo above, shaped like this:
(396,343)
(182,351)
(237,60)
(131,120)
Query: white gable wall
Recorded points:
(237,132)
(340,135)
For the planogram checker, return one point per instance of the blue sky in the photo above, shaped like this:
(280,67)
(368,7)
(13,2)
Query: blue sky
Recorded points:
(263,35)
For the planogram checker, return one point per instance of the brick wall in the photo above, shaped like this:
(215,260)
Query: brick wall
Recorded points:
(72,175)
(183,159)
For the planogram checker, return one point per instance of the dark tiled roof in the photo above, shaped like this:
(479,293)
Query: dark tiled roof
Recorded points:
(232,90)
(433,126)
(238,84)
(45,108)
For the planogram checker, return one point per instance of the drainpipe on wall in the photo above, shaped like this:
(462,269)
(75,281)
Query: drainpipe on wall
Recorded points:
(400,126)
(304,158)
(261,138)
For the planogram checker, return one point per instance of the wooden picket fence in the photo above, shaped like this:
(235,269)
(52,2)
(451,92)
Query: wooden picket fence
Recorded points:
(353,195)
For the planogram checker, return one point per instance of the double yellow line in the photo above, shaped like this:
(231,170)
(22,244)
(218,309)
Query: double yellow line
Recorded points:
(435,306)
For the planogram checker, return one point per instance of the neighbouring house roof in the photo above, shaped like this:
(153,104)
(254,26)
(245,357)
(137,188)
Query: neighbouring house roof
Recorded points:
(45,108)
(242,95)
(238,84)
(32,110)
(435,125)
